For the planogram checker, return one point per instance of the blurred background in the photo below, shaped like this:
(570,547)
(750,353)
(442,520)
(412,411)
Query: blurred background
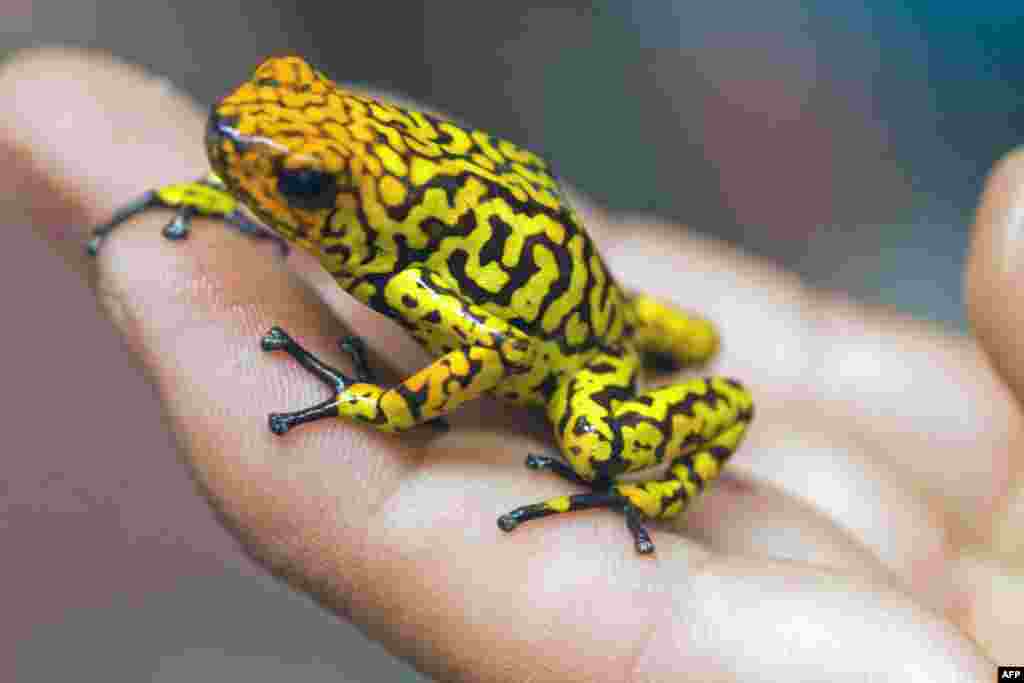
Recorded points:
(847,141)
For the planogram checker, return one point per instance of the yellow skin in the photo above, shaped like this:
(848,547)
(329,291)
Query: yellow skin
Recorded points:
(469,243)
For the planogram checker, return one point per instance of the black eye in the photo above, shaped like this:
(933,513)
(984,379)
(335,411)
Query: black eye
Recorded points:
(307,188)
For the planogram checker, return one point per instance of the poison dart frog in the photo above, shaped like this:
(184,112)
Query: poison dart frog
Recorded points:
(469,243)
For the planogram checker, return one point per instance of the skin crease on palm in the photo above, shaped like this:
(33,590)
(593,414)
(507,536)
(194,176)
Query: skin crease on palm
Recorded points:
(870,525)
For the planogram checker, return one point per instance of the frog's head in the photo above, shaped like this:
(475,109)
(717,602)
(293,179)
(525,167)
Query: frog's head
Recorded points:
(277,144)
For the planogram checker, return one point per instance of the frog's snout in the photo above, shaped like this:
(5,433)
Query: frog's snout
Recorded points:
(218,129)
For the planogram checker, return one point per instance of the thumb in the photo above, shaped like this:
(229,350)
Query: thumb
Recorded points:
(994,294)
(994,280)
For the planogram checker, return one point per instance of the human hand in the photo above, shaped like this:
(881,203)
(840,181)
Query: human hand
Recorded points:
(860,529)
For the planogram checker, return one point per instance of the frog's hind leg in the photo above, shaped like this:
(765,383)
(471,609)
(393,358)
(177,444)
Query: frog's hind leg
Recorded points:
(606,429)
(611,500)
(592,440)
(689,473)
(206,196)
(671,337)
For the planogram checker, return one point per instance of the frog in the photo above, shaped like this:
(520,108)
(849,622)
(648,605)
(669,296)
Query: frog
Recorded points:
(470,243)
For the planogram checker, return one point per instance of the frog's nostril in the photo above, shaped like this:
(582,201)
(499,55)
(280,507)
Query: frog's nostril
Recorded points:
(213,131)
(219,127)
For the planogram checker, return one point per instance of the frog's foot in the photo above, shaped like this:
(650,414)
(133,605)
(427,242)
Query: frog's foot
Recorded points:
(278,340)
(556,465)
(609,499)
(204,197)
(355,347)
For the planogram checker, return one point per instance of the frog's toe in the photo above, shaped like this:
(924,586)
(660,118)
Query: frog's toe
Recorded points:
(137,206)
(645,546)
(275,339)
(92,247)
(583,501)
(279,423)
(537,462)
(556,465)
(440,424)
(179,226)
(634,522)
(508,521)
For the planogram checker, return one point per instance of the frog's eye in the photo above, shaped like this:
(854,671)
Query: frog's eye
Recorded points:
(307,188)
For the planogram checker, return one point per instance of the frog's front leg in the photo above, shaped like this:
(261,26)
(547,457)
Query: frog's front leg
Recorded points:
(605,429)
(355,347)
(206,196)
(477,352)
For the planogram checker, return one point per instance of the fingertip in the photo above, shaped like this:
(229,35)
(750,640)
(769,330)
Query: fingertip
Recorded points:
(994,276)
(998,231)
(100,129)
(95,117)
(86,134)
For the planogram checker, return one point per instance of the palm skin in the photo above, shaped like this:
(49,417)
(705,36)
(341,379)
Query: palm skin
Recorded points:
(869,524)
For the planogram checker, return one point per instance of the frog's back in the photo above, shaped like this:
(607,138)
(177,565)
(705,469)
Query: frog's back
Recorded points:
(499,226)
(493,217)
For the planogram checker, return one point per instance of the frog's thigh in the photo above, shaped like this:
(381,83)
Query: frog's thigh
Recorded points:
(605,429)
(697,424)
(583,412)
(665,330)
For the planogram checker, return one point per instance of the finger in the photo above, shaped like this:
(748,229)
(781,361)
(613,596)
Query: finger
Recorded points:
(995,270)
(136,144)
(992,285)
(797,622)
(923,400)
(995,599)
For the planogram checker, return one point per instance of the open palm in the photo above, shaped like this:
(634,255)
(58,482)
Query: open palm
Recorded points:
(863,528)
